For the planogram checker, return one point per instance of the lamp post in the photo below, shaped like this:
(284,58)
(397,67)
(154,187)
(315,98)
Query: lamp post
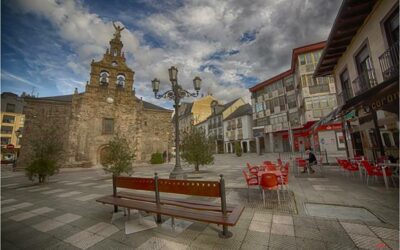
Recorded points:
(176,93)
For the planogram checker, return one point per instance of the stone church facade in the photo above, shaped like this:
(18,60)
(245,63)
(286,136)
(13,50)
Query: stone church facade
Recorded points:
(108,106)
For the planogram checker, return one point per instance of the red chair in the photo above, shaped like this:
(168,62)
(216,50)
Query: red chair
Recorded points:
(280,163)
(301,163)
(253,170)
(350,167)
(376,171)
(267,162)
(270,167)
(269,182)
(251,181)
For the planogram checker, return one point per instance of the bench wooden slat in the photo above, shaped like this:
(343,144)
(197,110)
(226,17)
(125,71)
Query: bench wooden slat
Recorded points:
(146,184)
(199,188)
(209,217)
(176,202)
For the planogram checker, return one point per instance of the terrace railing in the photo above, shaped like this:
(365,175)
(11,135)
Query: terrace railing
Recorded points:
(364,81)
(389,62)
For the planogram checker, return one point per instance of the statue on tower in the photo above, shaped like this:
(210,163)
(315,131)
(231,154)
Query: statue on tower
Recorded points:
(118,30)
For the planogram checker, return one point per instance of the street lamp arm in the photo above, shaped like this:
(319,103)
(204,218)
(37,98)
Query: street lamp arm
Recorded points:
(172,95)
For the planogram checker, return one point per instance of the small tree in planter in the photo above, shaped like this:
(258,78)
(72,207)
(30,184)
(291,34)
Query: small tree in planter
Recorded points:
(197,148)
(118,160)
(46,152)
(238,149)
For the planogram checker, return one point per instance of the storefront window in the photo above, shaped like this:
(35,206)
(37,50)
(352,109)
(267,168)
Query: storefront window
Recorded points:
(386,139)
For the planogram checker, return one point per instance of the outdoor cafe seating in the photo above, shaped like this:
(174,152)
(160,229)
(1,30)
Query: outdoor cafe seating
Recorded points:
(381,168)
(267,176)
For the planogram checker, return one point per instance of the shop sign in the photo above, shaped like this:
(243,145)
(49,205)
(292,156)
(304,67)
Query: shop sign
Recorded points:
(383,101)
(335,126)
(350,115)
(10,146)
(257,133)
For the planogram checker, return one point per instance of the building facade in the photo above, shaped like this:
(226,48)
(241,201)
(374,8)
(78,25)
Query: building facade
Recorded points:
(12,123)
(238,128)
(107,107)
(213,125)
(193,113)
(286,106)
(362,54)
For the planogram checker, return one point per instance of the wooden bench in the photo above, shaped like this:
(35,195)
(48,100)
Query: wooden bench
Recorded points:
(197,210)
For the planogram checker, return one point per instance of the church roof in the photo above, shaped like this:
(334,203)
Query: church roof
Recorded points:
(68,98)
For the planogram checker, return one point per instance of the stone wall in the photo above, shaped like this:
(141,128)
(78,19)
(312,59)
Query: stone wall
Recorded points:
(40,117)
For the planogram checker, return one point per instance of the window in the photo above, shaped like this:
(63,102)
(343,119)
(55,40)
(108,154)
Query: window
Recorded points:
(291,101)
(308,58)
(104,78)
(386,139)
(316,56)
(363,61)
(6,129)
(396,138)
(5,140)
(392,28)
(10,107)
(120,80)
(275,102)
(302,60)
(282,103)
(8,119)
(108,125)
(345,84)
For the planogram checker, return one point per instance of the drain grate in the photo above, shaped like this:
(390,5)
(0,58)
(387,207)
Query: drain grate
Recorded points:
(340,212)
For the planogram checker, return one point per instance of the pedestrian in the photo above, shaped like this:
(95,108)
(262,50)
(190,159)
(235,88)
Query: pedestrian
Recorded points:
(312,160)
(164,155)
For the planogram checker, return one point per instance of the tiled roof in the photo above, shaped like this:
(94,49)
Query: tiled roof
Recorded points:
(68,98)
(241,111)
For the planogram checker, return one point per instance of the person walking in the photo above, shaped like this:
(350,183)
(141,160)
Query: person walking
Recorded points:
(312,160)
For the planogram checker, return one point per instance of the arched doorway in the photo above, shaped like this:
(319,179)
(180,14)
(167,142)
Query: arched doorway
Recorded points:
(103,155)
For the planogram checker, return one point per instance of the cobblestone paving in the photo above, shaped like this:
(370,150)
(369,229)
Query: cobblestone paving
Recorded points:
(63,214)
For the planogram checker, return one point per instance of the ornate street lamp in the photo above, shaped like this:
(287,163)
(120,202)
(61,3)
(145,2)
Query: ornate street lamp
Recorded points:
(176,93)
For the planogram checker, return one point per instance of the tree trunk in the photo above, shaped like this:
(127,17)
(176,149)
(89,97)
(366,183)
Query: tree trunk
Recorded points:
(114,180)
(196,167)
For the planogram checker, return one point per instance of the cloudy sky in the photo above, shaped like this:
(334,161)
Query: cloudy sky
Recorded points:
(47,45)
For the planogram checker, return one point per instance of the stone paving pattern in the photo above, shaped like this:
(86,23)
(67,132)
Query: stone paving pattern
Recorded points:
(63,214)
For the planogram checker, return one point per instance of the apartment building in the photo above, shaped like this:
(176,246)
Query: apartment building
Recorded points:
(195,112)
(287,106)
(12,121)
(238,127)
(362,54)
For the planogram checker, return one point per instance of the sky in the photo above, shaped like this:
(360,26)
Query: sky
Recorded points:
(47,45)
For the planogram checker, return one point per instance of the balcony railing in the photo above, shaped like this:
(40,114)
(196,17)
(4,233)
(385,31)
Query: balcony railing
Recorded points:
(364,81)
(319,89)
(389,62)
(239,125)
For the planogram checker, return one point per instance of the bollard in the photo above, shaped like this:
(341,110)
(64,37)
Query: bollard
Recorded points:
(114,179)
(225,233)
(157,193)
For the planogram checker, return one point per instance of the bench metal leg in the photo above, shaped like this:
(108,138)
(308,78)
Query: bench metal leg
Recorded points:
(225,234)
(158,219)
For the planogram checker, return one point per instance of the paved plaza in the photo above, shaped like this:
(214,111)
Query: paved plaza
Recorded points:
(321,211)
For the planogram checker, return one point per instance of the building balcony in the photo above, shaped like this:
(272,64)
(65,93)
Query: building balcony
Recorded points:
(234,126)
(389,62)
(319,89)
(229,127)
(364,81)
(239,125)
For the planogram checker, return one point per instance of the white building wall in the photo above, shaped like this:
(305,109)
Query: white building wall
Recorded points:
(373,32)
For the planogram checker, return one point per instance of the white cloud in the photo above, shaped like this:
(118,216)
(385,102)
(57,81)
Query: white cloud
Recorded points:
(190,34)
